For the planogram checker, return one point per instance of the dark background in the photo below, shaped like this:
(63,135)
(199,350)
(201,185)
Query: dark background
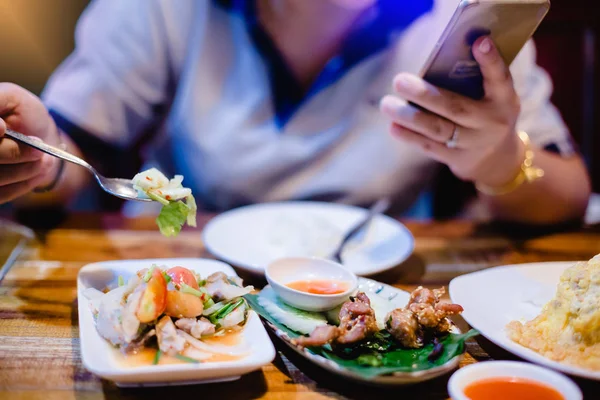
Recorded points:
(36,35)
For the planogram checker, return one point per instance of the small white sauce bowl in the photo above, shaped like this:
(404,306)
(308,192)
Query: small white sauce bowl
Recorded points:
(511,369)
(287,270)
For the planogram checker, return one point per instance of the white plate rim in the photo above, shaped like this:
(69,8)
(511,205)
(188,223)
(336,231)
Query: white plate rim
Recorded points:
(398,378)
(503,341)
(128,374)
(256,269)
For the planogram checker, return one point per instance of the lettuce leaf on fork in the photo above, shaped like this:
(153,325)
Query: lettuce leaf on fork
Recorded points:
(171,194)
(173,216)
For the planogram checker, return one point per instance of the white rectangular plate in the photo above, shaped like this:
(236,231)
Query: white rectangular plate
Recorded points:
(494,297)
(102,359)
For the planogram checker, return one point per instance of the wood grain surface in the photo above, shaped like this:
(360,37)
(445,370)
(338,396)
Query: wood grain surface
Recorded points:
(39,336)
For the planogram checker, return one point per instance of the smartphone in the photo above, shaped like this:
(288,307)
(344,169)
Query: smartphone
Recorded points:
(510,24)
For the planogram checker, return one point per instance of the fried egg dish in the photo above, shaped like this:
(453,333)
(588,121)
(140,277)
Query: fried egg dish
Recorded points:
(568,328)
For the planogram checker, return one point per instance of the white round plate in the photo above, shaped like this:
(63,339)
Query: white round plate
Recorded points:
(252,237)
(494,297)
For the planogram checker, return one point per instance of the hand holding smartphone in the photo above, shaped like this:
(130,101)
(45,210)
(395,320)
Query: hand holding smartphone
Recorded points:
(509,23)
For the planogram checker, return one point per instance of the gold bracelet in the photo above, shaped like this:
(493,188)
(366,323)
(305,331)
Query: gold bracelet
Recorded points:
(527,173)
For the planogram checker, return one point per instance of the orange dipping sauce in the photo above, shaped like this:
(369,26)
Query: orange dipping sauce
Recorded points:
(511,388)
(320,286)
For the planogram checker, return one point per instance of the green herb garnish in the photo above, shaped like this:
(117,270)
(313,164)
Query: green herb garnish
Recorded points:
(186,359)
(120,281)
(156,357)
(225,310)
(209,303)
(161,200)
(185,288)
(149,273)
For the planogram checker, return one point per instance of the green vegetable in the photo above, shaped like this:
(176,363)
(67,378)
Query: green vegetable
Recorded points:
(175,214)
(190,201)
(209,303)
(300,321)
(156,357)
(185,288)
(252,300)
(379,355)
(121,281)
(172,217)
(148,274)
(186,359)
(225,311)
(167,277)
(366,360)
(161,200)
(201,282)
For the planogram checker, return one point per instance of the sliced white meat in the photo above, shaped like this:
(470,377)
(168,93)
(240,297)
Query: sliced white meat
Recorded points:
(108,322)
(95,298)
(116,321)
(237,280)
(139,344)
(129,322)
(169,342)
(196,327)
(216,276)
(219,287)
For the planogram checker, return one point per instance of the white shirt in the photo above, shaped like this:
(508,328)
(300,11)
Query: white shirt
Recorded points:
(190,70)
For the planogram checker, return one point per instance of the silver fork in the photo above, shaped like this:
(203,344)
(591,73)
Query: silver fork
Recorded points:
(377,208)
(122,188)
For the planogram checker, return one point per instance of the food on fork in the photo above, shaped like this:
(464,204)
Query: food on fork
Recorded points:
(171,194)
(568,328)
(173,313)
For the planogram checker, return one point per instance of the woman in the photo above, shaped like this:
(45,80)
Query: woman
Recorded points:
(264,100)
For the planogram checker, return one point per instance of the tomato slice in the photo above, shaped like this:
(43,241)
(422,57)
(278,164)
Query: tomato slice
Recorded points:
(154,298)
(181,275)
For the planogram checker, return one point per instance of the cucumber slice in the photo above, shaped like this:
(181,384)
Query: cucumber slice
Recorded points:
(381,307)
(297,320)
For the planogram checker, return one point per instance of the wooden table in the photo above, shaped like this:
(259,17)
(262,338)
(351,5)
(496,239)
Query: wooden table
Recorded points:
(39,337)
